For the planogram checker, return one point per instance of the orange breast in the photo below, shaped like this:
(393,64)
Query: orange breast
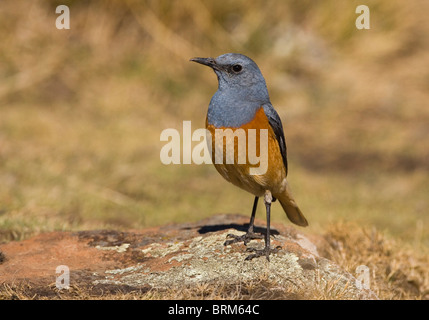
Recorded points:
(235,150)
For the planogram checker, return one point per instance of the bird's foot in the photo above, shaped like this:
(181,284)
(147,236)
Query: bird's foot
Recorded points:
(246,238)
(261,252)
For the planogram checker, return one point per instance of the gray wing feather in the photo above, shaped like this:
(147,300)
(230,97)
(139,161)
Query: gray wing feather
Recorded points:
(276,123)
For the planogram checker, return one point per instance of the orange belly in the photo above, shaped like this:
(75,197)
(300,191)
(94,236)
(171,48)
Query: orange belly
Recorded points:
(240,168)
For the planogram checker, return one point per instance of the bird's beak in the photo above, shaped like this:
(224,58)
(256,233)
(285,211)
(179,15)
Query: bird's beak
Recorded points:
(210,62)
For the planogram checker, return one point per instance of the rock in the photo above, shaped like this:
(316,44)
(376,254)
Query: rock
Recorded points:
(173,256)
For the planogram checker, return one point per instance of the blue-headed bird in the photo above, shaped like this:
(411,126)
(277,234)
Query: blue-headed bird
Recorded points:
(242,103)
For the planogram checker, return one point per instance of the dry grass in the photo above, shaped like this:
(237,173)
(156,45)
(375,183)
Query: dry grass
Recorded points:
(81,111)
(397,271)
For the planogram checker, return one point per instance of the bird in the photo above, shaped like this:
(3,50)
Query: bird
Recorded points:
(242,102)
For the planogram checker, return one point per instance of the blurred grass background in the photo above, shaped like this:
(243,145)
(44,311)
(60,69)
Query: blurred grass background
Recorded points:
(81,111)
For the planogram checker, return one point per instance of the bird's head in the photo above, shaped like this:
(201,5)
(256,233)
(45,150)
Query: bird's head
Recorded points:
(237,74)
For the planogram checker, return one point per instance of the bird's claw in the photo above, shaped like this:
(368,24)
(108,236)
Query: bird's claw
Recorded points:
(245,238)
(261,252)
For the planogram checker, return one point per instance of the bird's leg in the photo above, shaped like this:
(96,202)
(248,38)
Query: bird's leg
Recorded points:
(250,234)
(267,250)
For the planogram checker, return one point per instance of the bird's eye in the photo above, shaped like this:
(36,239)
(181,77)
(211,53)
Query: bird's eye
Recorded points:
(237,68)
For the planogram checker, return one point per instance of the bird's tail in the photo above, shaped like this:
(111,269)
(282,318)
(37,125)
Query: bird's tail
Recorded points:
(291,208)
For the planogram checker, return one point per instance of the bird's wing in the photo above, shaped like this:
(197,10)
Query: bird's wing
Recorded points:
(276,123)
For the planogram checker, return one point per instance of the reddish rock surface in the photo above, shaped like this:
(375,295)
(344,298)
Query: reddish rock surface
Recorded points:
(169,256)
